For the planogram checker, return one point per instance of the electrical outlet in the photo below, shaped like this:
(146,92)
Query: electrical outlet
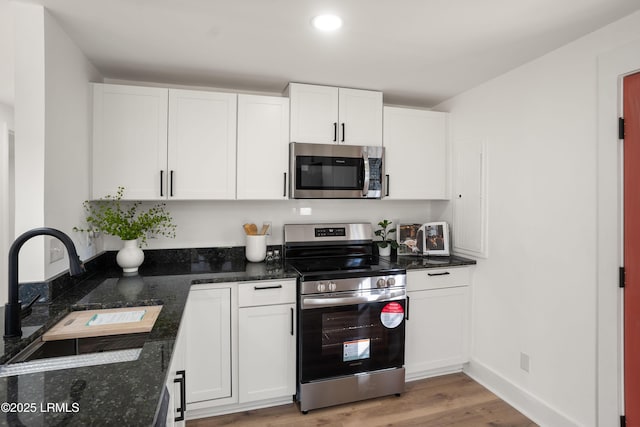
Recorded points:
(56,250)
(524,362)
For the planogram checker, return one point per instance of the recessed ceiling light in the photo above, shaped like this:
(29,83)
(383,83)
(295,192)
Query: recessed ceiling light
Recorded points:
(327,22)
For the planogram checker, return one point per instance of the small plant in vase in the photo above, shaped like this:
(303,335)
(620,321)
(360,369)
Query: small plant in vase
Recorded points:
(386,243)
(109,215)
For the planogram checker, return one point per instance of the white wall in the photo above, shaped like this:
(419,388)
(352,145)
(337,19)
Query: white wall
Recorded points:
(537,292)
(6,201)
(30,134)
(68,135)
(52,120)
(219,223)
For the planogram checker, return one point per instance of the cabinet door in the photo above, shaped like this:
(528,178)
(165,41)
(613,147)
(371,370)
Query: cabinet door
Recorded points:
(360,113)
(470,198)
(202,145)
(267,352)
(415,153)
(263,147)
(314,113)
(437,334)
(129,141)
(208,344)
(176,382)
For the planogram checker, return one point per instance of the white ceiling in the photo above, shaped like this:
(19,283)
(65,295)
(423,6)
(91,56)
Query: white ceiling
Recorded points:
(418,52)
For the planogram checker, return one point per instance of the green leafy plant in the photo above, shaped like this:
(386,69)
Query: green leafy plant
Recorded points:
(383,233)
(111,216)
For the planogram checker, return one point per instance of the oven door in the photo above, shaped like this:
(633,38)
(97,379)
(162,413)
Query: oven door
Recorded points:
(321,171)
(346,339)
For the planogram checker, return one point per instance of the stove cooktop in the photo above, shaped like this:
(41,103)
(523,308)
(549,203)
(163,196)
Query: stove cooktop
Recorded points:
(342,267)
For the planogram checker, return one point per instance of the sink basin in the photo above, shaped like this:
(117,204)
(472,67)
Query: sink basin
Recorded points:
(41,356)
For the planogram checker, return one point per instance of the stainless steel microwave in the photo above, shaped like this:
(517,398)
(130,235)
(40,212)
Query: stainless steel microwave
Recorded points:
(327,171)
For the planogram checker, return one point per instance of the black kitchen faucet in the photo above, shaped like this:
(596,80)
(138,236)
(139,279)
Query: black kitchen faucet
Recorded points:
(13,310)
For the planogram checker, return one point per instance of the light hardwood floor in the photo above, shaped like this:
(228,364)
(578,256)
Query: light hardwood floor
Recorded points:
(449,400)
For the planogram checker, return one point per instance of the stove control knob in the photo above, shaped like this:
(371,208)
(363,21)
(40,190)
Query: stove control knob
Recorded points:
(391,281)
(321,287)
(332,286)
(381,283)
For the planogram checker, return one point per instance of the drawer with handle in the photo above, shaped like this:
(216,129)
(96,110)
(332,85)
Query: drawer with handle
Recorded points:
(437,278)
(267,292)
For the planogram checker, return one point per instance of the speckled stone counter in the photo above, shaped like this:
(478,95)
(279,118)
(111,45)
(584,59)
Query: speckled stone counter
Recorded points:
(125,393)
(413,262)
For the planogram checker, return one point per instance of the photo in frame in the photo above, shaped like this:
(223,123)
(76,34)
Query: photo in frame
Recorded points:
(435,238)
(409,242)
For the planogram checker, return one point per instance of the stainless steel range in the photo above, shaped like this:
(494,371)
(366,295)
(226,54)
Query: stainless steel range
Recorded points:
(351,315)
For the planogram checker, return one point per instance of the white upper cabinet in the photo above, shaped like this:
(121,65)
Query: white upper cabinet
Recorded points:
(470,198)
(163,143)
(129,141)
(263,147)
(331,115)
(360,117)
(202,145)
(416,154)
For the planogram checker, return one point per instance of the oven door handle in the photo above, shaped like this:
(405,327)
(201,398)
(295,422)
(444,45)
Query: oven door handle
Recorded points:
(332,301)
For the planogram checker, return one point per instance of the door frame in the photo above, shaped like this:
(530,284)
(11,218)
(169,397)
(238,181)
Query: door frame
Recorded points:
(613,66)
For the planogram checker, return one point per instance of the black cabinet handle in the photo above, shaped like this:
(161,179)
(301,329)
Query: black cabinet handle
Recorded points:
(161,183)
(439,274)
(342,132)
(284,191)
(407,308)
(171,183)
(183,394)
(262,288)
(292,316)
(335,131)
(387,190)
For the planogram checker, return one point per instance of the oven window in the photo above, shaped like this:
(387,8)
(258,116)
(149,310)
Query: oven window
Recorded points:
(350,339)
(329,173)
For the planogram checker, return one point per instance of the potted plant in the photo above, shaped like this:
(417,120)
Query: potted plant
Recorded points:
(127,221)
(386,243)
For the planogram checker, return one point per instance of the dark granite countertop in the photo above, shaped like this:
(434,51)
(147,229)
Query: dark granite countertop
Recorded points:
(129,393)
(125,393)
(415,262)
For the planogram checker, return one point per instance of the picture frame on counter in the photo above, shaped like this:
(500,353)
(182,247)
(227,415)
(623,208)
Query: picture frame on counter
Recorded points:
(409,242)
(436,238)
(428,239)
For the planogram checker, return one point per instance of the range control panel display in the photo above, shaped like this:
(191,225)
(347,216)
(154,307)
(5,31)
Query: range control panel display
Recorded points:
(330,232)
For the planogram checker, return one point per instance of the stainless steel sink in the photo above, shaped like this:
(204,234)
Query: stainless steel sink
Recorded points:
(41,356)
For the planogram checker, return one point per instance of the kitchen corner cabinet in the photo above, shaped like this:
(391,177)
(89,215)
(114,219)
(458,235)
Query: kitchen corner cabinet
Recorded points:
(262,147)
(267,340)
(438,325)
(331,115)
(208,345)
(470,198)
(416,154)
(176,383)
(163,143)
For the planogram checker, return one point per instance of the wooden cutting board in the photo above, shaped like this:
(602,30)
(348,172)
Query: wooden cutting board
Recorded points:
(77,323)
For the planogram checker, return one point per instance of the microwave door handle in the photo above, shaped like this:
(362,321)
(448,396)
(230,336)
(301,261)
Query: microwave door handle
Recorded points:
(367,172)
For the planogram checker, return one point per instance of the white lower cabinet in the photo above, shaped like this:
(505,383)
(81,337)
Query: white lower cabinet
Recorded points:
(208,345)
(438,325)
(239,344)
(176,382)
(267,352)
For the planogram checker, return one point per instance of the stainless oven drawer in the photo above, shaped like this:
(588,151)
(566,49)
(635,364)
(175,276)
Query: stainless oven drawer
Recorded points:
(267,292)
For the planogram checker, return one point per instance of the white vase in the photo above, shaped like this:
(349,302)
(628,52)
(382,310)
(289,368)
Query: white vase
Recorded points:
(384,251)
(130,257)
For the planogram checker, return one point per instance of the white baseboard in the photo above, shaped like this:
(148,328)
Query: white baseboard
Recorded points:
(534,408)
(213,410)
